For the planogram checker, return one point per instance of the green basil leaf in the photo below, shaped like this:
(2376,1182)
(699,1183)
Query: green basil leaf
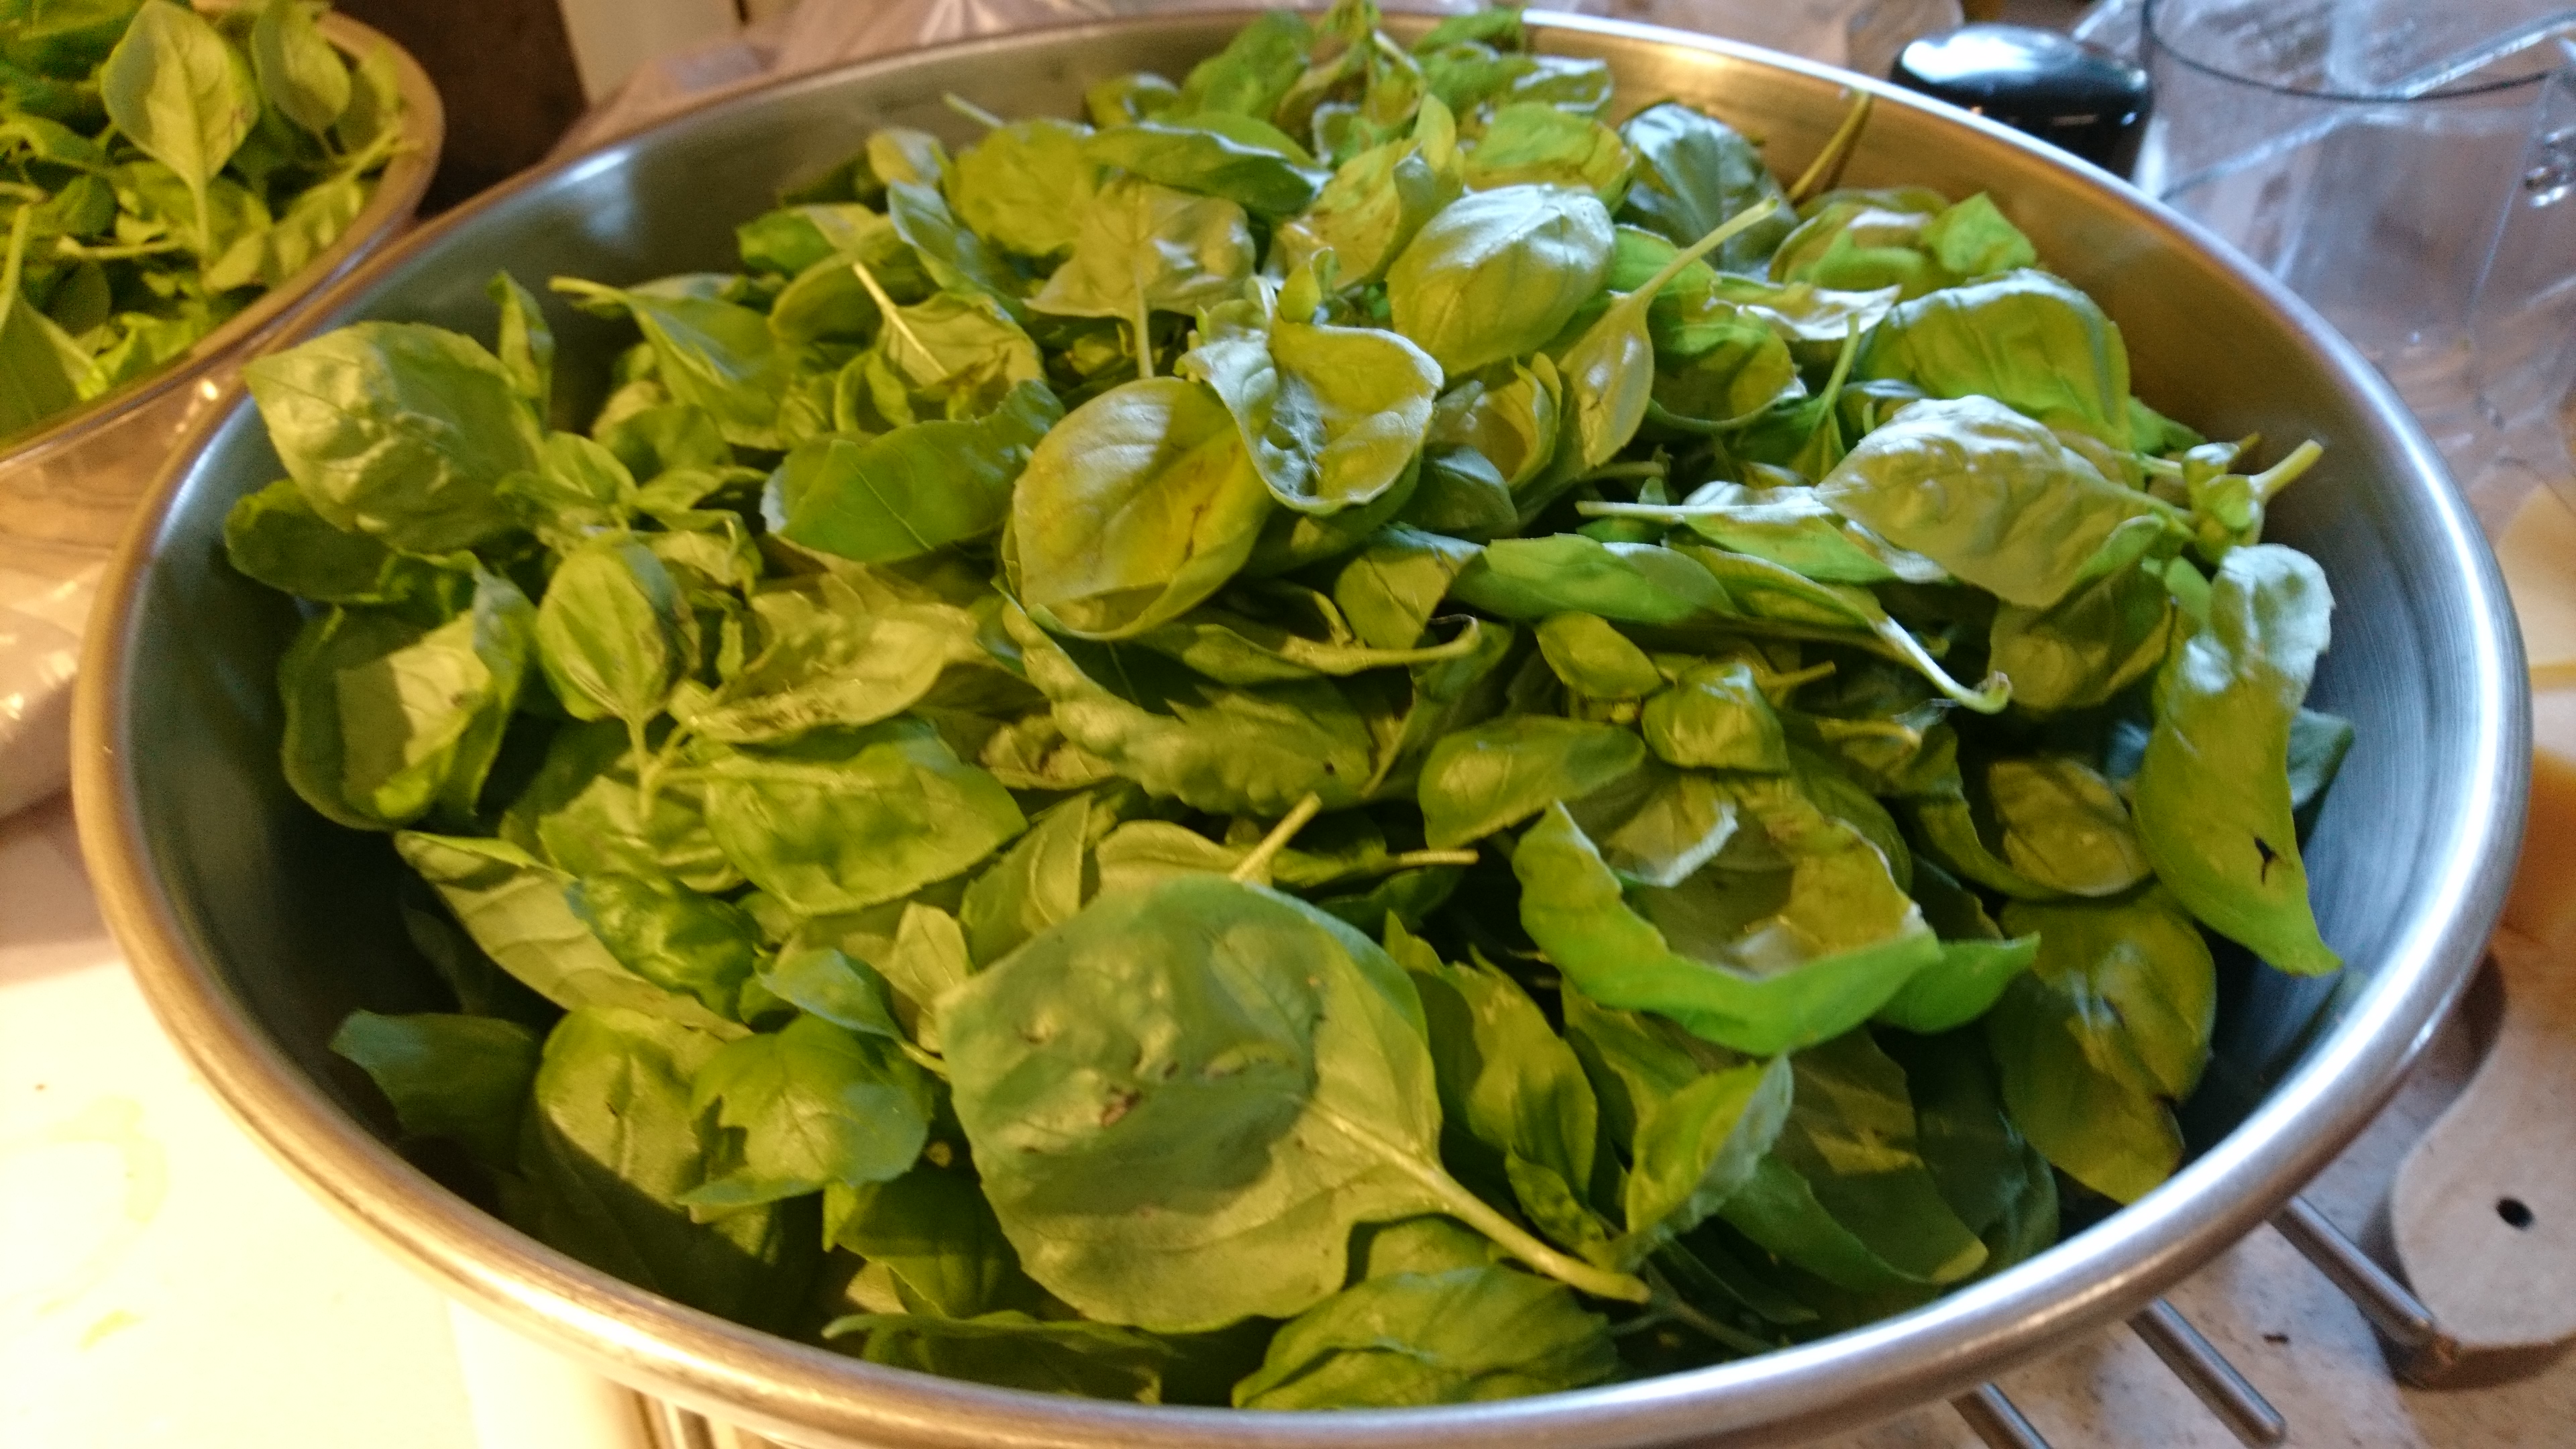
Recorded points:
(2111,1025)
(1493,776)
(612,1147)
(182,96)
(1332,416)
(1026,186)
(464,1078)
(608,632)
(1770,959)
(299,73)
(1015,1351)
(1141,503)
(670,935)
(1693,172)
(2213,794)
(398,430)
(1455,1337)
(387,721)
(814,1105)
(1496,274)
(913,490)
(847,818)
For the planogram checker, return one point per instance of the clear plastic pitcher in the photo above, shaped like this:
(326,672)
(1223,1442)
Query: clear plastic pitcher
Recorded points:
(2408,168)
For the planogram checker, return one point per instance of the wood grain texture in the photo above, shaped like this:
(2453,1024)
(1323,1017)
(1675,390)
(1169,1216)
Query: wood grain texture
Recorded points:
(2483,1211)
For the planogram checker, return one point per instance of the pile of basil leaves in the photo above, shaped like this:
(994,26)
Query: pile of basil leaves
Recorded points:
(1342,738)
(159,170)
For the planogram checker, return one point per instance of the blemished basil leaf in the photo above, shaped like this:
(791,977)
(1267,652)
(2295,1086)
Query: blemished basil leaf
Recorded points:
(608,632)
(464,1078)
(1015,1351)
(916,489)
(1332,416)
(1493,776)
(1309,1028)
(1025,187)
(1455,1337)
(814,1104)
(1140,504)
(299,73)
(177,91)
(845,818)
(2110,1026)
(1277,1063)
(387,721)
(2017,513)
(2214,794)
(1496,274)
(1769,960)
(613,1146)
(398,430)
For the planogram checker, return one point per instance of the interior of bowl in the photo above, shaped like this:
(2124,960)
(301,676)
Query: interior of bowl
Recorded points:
(237,898)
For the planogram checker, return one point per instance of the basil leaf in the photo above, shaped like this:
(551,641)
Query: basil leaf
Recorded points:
(399,430)
(1493,776)
(180,94)
(387,721)
(611,1148)
(2111,1025)
(1455,1337)
(1141,503)
(1496,274)
(2213,794)
(464,1078)
(846,818)
(1770,959)
(814,1104)
(913,490)
(300,75)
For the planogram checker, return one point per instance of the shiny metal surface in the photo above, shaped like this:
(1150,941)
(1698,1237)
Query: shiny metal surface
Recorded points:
(70,485)
(254,925)
(2198,1363)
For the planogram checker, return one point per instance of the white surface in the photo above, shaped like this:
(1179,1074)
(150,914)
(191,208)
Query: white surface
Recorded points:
(163,1283)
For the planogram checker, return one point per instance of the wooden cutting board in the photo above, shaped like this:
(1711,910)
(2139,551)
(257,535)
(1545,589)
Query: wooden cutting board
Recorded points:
(2482,1213)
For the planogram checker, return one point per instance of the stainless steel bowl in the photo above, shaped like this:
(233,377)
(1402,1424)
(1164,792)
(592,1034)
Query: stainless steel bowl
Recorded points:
(70,485)
(254,925)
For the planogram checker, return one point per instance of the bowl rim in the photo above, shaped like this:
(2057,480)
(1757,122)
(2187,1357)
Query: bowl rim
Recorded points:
(769,1383)
(399,189)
